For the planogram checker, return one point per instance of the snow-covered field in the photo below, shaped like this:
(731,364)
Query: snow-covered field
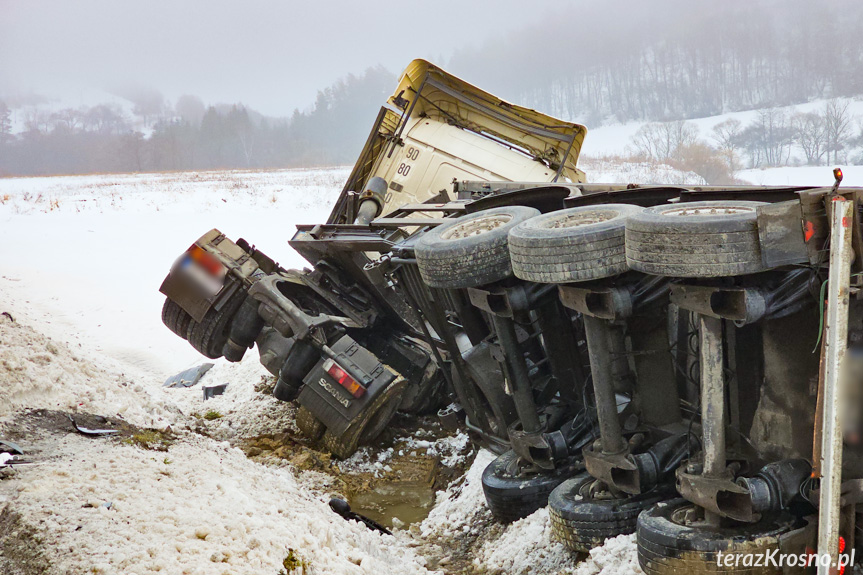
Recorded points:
(81,259)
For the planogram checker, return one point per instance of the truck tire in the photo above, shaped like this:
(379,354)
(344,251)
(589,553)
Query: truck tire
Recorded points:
(309,425)
(512,496)
(666,545)
(368,425)
(582,522)
(210,334)
(175,318)
(697,239)
(471,250)
(573,245)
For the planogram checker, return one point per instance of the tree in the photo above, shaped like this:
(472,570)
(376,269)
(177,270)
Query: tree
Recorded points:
(811,135)
(838,123)
(768,139)
(705,161)
(728,138)
(662,142)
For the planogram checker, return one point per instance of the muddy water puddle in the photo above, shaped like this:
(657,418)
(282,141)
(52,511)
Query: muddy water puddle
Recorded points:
(393,482)
(406,496)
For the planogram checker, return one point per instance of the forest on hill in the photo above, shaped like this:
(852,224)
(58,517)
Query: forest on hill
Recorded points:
(594,62)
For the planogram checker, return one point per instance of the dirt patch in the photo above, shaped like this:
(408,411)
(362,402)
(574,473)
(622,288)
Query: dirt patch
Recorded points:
(21,546)
(39,422)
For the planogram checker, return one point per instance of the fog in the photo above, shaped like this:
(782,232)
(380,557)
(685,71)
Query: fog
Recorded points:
(271,55)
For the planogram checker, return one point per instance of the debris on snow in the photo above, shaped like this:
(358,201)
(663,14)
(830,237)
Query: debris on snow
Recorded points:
(188,377)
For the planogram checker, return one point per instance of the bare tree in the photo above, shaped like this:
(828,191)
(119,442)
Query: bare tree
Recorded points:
(838,122)
(768,139)
(662,142)
(727,135)
(810,135)
(105,119)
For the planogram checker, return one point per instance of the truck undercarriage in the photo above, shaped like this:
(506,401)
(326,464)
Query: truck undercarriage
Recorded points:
(642,358)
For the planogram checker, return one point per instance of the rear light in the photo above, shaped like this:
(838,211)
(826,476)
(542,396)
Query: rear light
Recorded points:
(341,376)
(206,260)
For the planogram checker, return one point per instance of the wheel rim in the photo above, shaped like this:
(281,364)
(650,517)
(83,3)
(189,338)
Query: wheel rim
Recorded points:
(580,219)
(476,226)
(704,211)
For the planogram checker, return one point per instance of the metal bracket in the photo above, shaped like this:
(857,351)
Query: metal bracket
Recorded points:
(612,303)
(742,305)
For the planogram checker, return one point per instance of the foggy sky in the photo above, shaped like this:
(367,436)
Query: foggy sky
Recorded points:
(273,56)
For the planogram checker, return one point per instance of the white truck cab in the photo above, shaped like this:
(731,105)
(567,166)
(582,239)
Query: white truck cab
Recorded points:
(437,129)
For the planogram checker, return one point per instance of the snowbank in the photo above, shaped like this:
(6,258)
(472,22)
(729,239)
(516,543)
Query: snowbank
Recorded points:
(462,505)
(38,373)
(201,508)
(618,172)
(525,547)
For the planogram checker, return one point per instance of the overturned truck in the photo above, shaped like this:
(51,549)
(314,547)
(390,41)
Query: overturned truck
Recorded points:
(642,358)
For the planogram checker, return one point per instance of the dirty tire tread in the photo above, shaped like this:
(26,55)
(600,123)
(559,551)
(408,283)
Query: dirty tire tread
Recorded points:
(175,318)
(210,334)
(469,261)
(385,406)
(542,257)
(694,246)
(665,548)
(575,251)
(309,425)
(510,498)
(582,525)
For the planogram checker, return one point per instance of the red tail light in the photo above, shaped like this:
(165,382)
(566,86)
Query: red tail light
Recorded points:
(341,376)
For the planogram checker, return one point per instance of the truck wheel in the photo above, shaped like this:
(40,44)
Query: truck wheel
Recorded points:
(471,250)
(210,334)
(582,521)
(697,239)
(513,493)
(368,425)
(577,244)
(666,544)
(309,425)
(175,318)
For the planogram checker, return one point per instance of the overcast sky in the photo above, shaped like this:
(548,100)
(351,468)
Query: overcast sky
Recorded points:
(271,55)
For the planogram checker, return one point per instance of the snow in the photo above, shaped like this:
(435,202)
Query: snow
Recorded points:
(526,546)
(64,239)
(619,172)
(802,176)
(615,557)
(615,139)
(462,504)
(201,508)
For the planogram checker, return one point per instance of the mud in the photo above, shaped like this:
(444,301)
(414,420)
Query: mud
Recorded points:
(21,546)
(399,493)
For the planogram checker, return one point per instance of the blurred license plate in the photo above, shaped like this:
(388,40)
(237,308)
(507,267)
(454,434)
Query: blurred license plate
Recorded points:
(208,278)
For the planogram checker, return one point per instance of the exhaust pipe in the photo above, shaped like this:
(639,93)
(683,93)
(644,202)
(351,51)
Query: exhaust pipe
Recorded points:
(371,201)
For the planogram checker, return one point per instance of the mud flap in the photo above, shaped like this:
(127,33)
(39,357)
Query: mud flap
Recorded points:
(186,289)
(332,403)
